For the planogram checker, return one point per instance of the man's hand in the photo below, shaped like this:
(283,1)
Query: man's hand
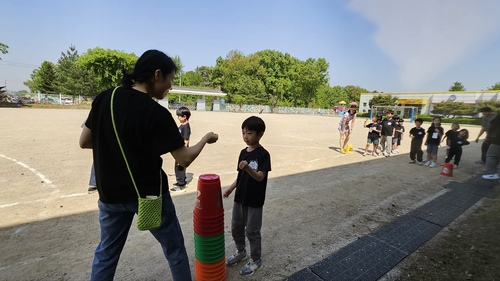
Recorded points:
(477,140)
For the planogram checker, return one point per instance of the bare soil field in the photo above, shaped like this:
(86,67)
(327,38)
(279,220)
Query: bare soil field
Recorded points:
(318,200)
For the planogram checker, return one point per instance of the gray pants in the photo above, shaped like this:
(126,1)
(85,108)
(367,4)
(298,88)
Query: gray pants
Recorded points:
(386,142)
(247,220)
(492,158)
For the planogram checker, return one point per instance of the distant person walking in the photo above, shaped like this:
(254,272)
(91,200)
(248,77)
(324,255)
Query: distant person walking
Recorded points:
(488,116)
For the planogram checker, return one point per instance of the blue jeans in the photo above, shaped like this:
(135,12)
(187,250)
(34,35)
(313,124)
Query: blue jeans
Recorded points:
(115,221)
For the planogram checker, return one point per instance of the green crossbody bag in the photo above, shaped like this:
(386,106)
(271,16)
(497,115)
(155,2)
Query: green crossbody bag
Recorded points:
(149,208)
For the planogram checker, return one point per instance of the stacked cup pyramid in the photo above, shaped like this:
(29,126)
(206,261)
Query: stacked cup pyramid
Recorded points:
(208,218)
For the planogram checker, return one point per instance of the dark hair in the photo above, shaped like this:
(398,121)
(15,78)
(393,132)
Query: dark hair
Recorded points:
(389,111)
(254,123)
(146,66)
(183,111)
(485,109)
(419,120)
(401,120)
(466,133)
(395,117)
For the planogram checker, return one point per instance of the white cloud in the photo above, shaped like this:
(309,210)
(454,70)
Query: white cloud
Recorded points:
(426,37)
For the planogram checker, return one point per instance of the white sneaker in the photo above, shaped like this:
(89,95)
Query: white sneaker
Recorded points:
(455,166)
(364,153)
(491,177)
(432,165)
(420,163)
(427,163)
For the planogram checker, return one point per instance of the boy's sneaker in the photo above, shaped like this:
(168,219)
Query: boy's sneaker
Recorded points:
(427,163)
(420,163)
(92,189)
(432,165)
(491,177)
(364,153)
(479,162)
(455,166)
(412,162)
(178,188)
(250,267)
(236,257)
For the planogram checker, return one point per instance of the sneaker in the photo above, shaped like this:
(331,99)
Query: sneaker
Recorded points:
(420,163)
(92,189)
(342,151)
(179,188)
(177,184)
(491,177)
(250,267)
(432,165)
(479,162)
(374,154)
(455,166)
(412,162)
(427,163)
(236,257)
(364,153)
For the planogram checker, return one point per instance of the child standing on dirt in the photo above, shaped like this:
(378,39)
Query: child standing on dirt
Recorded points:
(400,129)
(434,134)
(254,163)
(456,142)
(417,134)
(449,135)
(183,114)
(373,135)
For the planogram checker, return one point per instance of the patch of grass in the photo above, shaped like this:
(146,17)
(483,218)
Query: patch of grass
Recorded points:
(469,251)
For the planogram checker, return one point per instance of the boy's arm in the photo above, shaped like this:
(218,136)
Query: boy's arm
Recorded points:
(256,175)
(229,189)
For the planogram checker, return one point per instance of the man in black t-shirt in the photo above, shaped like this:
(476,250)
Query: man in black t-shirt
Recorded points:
(388,130)
(417,138)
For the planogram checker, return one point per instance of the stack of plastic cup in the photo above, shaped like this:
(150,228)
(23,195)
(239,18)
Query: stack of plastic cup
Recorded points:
(209,246)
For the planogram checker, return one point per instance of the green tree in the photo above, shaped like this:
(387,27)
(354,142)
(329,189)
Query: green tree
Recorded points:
(252,90)
(180,68)
(205,72)
(192,79)
(43,79)
(309,76)
(383,100)
(494,105)
(107,65)
(495,87)
(4,49)
(452,109)
(456,87)
(73,79)
(354,92)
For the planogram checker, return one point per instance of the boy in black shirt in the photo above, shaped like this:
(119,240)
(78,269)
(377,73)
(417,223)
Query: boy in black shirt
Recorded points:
(456,141)
(183,115)
(373,135)
(254,163)
(388,130)
(417,137)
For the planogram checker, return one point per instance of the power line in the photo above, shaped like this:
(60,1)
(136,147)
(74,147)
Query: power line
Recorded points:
(17,64)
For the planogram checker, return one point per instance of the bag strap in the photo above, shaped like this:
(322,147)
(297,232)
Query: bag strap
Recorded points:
(121,147)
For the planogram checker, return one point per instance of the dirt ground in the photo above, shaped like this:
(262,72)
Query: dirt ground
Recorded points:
(318,200)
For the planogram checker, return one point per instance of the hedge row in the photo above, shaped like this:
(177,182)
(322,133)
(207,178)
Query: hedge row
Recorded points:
(470,121)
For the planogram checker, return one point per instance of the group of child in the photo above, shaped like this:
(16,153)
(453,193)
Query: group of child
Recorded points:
(386,135)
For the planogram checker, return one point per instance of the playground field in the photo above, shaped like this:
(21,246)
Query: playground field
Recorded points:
(318,200)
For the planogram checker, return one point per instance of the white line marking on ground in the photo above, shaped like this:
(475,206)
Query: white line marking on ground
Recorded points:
(44,179)
(9,205)
(73,195)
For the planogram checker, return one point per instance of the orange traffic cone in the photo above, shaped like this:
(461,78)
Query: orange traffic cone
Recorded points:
(447,170)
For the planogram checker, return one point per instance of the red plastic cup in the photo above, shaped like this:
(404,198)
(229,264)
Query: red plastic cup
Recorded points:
(208,197)
(210,271)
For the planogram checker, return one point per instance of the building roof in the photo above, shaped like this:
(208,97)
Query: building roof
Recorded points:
(197,91)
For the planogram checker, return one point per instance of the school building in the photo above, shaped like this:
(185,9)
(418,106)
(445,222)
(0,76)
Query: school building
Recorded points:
(423,102)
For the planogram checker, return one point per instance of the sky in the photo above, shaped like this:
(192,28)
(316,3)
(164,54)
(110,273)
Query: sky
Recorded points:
(382,45)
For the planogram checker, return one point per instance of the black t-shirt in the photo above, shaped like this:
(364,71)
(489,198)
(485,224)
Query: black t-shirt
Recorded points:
(371,133)
(185,130)
(431,133)
(401,128)
(146,130)
(456,141)
(418,133)
(387,126)
(250,192)
(450,134)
